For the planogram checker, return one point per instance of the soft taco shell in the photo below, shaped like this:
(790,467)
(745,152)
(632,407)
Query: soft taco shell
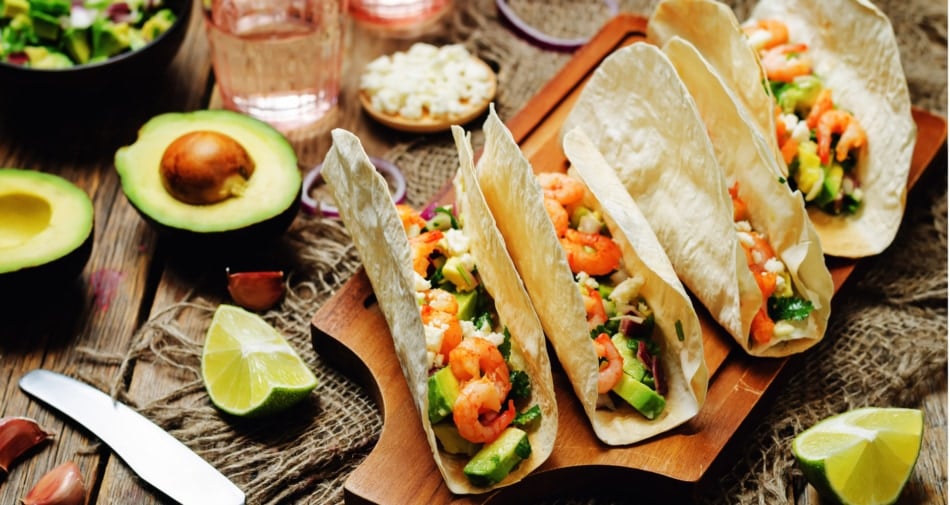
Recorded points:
(855,53)
(516,199)
(712,27)
(366,207)
(774,208)
(651,135)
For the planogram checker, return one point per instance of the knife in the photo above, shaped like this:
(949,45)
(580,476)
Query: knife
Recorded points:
(151,452)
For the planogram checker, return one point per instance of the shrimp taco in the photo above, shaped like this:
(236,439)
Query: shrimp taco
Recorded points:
(842,117)
(622,325)
(467,339)
(782,248)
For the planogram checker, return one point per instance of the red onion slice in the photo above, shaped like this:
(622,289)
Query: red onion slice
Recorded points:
(540,38)
(395,178)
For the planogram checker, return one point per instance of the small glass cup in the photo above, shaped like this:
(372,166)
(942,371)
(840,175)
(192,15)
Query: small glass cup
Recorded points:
(406,17)
(278,60)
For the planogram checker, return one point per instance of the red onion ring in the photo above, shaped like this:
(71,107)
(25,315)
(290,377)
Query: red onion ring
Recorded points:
(311,206)
(540,38)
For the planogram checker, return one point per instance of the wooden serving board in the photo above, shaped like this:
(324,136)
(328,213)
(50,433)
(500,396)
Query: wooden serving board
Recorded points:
(349,331)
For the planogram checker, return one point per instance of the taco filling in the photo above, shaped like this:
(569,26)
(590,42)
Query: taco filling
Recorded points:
(476,397)
(820,143)
(620,320)
(783,311)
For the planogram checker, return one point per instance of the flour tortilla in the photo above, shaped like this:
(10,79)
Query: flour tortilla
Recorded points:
(774,208)
(367,210)
(515,198)
(855,53)
(650,133)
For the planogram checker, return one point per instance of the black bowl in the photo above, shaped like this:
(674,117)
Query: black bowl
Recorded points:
(19,84)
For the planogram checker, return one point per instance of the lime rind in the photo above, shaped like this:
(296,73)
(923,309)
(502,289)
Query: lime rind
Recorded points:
(864,456)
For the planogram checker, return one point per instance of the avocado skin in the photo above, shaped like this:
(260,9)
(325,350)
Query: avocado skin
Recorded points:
(38,278)
(227,245)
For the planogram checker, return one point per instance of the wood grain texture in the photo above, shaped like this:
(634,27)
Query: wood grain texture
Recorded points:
(679,460)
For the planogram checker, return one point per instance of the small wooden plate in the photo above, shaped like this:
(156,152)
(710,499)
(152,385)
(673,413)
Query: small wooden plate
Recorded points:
(427,123)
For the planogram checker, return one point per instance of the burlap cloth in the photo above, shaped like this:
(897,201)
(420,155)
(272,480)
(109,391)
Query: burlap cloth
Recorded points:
(886,344)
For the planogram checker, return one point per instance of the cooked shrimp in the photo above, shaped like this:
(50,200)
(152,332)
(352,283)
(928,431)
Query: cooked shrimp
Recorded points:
(594,305)
(442,300)
(476,411)
(762,327)
(412,222)
(610,371)
(786,62)
(740,211)
(423,245)
(563,188)
(774,33)
(822,104)
(452,335)
(558,215)
(591,252)
(476,358)
(852,135)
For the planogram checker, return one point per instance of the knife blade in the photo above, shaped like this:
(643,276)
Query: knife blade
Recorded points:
(151,452)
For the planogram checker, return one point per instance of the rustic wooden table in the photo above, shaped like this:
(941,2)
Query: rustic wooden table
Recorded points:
(126,281)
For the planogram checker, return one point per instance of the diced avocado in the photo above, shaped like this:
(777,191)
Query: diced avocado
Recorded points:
(647,401)
(631,365)
(799,95)
(809,174)
(443,391)
(452,442)
(158,24)
(76,43)
(831,185)
(468,304)
(11,8)
(458,273)
(109,39)
(496,460)
(604,290)
(41,57)
(45,26)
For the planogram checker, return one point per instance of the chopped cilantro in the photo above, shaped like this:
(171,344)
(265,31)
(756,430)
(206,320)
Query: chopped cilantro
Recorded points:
(781,180)
(526,419)
(520,384)
(447,210)
(789,308)
(505,347)
(483,321)
(679,331)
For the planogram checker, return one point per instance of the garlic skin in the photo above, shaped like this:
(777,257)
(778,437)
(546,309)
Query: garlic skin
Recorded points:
(60,486)
(18,435)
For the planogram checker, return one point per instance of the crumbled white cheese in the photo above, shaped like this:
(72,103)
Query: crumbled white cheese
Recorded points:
(783,329)
(439,81)
(627,291)
(746,239)
(420,285)
(743,226)
(434,331)
(456,242)
(469,330)
(774,265)
(801,133)
(584,279)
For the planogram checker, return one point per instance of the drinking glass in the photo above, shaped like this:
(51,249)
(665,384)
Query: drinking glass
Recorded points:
(398,15)
(278,60)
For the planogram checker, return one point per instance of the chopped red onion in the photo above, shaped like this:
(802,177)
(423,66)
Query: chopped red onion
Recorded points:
(540,38)
(392,174)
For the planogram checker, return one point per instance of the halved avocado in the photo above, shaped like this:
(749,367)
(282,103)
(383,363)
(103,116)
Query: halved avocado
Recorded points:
(263,209)
(46,229)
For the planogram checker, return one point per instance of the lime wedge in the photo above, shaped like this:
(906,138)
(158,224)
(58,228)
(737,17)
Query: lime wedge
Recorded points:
(861,457)
(248,368)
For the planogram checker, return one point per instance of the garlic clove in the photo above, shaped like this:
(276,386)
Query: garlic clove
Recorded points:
(18,435)
(60,486)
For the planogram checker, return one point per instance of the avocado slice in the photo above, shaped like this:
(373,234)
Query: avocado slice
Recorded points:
(647,401)
(495,460)
(468,304)
(76,44)
(443,391)
(631,365)
(46,229)
(265,209)
(452,442)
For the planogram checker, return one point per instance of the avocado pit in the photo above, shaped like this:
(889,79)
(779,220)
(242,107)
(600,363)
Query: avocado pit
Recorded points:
(204,167)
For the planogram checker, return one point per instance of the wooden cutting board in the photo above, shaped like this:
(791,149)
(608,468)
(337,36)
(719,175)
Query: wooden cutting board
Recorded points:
(349,331)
